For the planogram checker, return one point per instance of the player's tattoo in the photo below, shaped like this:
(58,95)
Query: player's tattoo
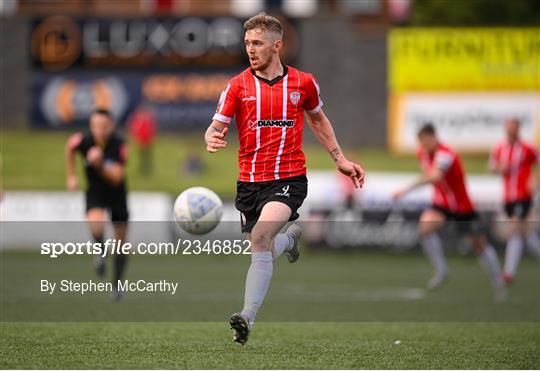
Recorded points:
(214,129)
(335,153)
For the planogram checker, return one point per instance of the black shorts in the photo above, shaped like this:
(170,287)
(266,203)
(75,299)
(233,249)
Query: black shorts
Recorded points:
(465,222)
(519,208)
(251,197)
(116,203)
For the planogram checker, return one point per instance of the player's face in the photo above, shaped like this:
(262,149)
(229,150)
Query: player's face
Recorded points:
(428,142)
(261,47)
(512,129)
(101,127)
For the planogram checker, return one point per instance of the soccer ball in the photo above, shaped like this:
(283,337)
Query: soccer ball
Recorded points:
(198,210)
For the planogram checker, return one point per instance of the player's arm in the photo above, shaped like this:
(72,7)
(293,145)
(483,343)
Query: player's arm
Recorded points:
(215,136)
(430,178)
(495,166)
(112,171)
(322,128)
(537,165)
(226,110)
(70,151)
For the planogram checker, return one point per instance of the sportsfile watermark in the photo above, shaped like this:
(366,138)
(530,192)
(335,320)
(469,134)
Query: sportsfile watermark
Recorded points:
(348,270)
(180,247)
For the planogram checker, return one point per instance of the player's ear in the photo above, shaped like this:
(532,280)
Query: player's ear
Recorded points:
(278,44)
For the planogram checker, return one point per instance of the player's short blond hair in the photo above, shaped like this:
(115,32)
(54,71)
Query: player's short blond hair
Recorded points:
(265,22)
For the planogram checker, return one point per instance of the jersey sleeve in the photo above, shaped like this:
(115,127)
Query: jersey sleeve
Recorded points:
(123,153)
(533,155)
(227,104)
(494,158)
(313,102)
(443,160)
(75,142)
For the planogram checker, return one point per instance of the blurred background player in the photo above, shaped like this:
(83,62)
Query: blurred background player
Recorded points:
(142,129)
(514,159)
(443,169)
(269,100)
(104,154)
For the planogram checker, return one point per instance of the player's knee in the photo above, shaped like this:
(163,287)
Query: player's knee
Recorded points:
(427,227)
(261,240)
(423,229)
(96,215)
(429,222)
(516,226)
(478,243)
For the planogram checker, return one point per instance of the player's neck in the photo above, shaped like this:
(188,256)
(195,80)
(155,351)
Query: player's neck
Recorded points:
(513,140)
(274,69)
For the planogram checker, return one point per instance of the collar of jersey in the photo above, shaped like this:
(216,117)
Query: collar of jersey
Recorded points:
(275,80)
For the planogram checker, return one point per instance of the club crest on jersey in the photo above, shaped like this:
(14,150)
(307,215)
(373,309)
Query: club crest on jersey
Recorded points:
(295,97)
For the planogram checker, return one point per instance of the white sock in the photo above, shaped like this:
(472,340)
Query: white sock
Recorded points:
(533,244)
(282,243)
(514,249)
(432,246)
(258,280)
(490,262)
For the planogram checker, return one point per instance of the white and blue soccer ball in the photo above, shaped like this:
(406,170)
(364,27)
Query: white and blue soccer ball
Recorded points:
(198,210)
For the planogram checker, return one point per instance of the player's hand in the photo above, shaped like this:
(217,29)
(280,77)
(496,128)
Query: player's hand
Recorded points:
(536,198)
(72,183)
(216,140)
(503,169)
(95,157)
(398,195)
(352,170)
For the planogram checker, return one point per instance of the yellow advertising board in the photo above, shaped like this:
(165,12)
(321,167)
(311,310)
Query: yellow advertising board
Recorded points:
(471,122)
(464,59)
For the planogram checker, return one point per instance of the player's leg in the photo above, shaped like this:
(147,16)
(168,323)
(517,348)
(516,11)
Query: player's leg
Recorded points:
(119,218)
(431,221)
(533,242)
(285,243)
(532,231)
(487,256)
(261,232)
(514,247)
(96,217)
(274,216)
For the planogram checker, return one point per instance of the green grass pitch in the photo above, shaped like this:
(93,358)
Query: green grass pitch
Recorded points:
(328,311)
(30,155)
(345,311)
(274,346)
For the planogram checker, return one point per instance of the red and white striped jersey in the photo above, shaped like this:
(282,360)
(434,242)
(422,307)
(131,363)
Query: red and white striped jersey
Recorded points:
(519,158)
(270,121)
(450,192)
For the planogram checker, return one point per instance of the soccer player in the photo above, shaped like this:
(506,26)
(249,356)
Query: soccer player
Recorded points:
(105,154)
(514,159)
(442,168)
(269,100)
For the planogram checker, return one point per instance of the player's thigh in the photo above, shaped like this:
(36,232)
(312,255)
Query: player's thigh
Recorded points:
(96,218)
(431,221)
(274,215)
